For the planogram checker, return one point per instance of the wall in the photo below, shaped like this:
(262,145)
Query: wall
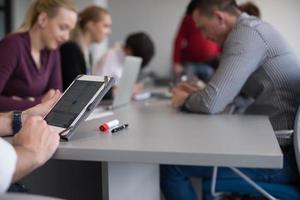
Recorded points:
(284,16)
(160,18)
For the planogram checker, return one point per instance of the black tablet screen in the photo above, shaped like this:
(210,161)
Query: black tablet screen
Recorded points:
(72,103)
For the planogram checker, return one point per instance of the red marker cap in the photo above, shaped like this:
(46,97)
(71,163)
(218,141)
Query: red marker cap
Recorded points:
(103,127)
(106,126)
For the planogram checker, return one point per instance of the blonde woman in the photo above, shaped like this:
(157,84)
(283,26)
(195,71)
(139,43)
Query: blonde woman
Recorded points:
(94,25)
(29,59)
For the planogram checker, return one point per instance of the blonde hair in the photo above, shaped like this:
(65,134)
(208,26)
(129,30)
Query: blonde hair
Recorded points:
(89,14)
(50,7)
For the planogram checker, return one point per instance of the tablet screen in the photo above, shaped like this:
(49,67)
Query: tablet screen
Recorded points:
(72,102)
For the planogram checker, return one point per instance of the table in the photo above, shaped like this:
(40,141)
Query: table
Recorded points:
(157,134)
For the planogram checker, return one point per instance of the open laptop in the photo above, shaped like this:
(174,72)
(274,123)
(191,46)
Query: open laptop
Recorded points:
(123,93)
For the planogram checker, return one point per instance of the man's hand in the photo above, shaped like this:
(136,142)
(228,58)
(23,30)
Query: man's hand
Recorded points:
(35,143)
(177,69)
(183,90)
(43,108)
(191,87)
(179,96)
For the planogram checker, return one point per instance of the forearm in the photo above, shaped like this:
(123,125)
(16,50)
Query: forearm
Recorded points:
(8,159)
(26,162)
(6,121)
(9,104)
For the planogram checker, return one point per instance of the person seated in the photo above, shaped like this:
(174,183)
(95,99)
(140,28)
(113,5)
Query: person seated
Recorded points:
(137,44)
(94,26)
(29,59)
(256,61)
(194,56)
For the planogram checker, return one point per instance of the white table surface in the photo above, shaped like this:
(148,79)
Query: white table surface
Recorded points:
(159,134)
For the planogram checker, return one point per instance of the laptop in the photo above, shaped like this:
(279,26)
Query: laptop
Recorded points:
(123,93)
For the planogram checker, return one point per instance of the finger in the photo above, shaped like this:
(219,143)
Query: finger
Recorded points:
(51,101)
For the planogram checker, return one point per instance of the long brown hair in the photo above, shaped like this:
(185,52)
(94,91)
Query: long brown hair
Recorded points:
(50,7)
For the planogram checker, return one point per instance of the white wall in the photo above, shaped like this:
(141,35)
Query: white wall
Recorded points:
(160,19)
(284,15)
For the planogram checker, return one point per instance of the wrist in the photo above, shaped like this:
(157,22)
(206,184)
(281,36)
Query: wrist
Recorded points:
(16,122)
(6,121)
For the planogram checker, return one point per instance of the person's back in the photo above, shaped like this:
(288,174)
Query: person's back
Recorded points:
(275,83)
(257,61)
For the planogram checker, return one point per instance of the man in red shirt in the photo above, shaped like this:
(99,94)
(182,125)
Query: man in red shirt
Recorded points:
(192,51)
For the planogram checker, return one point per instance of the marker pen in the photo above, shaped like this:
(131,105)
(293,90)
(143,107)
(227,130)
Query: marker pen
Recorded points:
(106,126)
(119,128)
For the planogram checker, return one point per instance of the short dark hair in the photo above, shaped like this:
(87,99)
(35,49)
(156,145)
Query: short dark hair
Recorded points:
(191,7)
(250,8)
(141,45)
(208,6)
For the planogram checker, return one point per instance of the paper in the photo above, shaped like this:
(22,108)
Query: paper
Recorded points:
(98,113)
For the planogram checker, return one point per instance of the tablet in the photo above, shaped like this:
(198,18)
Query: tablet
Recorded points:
(77,102)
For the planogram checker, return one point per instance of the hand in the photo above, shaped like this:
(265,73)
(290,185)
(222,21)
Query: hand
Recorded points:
(178,69)
(179,97)
(37,139)
(43,108)
(138,88)
(48,95)
(191,87)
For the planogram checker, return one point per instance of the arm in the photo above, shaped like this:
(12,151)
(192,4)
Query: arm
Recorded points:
(34,144)
(8,159)
(38,110)
(32,147)
(179,40)
(8,64)
(244,51)
(178,45)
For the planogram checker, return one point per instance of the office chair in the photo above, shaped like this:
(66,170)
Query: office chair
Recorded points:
(246,186)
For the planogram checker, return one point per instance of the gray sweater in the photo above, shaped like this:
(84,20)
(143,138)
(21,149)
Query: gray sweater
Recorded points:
(257,62)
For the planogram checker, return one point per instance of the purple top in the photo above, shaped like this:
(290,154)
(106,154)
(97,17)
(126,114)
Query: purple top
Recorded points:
(19,75)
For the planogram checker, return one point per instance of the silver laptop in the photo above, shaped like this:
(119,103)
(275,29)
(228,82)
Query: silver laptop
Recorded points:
(123,93)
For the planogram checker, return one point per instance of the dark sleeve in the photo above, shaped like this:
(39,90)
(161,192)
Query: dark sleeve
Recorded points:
(9,54)
(243,53)
(180,38)
(72,62)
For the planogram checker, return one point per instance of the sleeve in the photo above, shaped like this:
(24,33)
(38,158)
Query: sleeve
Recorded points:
(244,51)
(71,63)
(9,54)
(179,40)
(8,160)
(55,80)
(101,64)
(9,104)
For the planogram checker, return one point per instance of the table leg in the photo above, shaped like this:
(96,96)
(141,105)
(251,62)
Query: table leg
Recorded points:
(130,181)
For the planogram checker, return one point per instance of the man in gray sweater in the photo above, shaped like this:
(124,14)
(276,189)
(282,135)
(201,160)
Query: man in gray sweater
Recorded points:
(257,63)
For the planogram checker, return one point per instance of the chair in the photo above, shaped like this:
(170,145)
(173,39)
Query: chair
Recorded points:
(248,187)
